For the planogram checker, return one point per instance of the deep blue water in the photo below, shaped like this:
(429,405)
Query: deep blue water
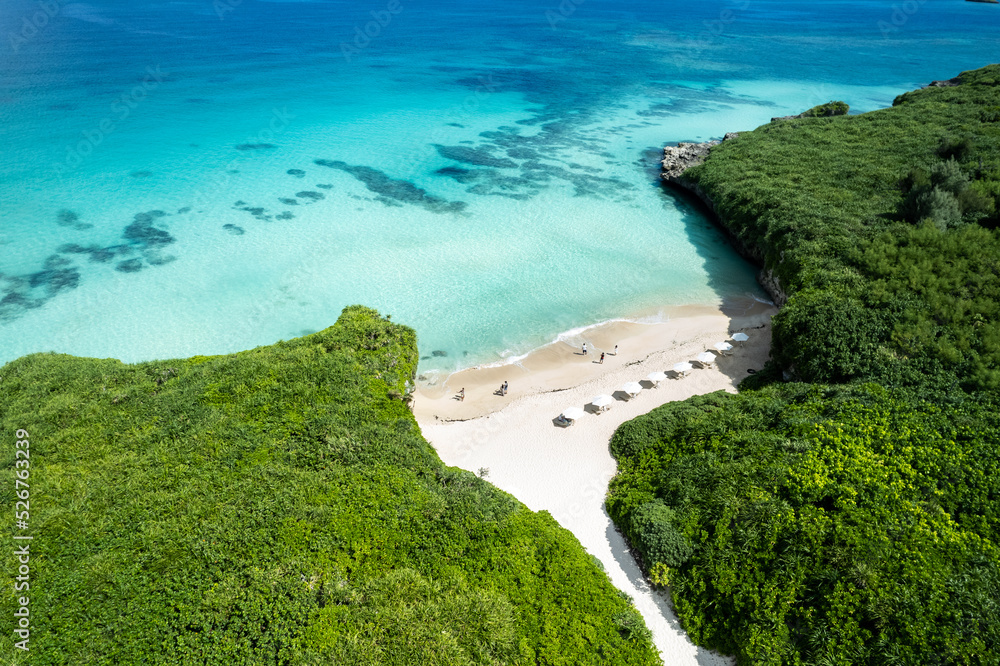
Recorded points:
(201,177)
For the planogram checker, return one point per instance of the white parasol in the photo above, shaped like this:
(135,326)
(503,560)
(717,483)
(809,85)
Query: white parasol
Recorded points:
(632,388)
(602,401)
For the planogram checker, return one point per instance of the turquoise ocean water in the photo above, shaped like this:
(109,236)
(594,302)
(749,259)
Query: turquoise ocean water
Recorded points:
(200,177)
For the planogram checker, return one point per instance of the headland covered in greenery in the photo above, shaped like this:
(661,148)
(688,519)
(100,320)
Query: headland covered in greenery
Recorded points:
(279,506)
(843,508)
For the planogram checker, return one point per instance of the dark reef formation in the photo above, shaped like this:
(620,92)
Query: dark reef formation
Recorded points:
(58,274)
(68,218)
(255,146)
(392,191)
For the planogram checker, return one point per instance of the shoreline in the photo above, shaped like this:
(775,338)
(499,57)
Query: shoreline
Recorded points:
(561,365)
(514,443)
(677,159)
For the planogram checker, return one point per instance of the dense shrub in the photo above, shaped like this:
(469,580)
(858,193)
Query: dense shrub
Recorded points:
(821,200)
(656,536)
(828,109)
(279,506)
(833,338)
(858,523)
(845,526)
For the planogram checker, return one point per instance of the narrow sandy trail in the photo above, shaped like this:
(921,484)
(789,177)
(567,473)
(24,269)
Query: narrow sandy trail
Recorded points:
(566,471)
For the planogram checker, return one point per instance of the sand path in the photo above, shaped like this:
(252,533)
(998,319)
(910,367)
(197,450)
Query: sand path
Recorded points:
(566,471)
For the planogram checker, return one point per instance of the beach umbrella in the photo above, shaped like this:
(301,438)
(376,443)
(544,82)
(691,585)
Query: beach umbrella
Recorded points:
(740,337)
(706,358)
(602,401)
(656,377)
(632,388)
(573,413)
(682,368)
(723,347)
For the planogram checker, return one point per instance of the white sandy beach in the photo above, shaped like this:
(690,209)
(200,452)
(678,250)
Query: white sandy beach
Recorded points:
(566,471)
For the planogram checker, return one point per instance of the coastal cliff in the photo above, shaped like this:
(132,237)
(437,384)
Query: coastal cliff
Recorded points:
(678,159)
(884,228)
(836,211)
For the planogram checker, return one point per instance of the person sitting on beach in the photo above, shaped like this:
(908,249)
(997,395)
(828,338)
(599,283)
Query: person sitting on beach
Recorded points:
(461,394)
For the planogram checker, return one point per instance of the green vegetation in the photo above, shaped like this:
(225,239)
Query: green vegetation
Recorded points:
(882,227)
(828,109)
(799,524)
(853,520)
(279,506)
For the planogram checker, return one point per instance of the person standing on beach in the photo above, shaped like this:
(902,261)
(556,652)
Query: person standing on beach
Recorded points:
(503,389)
(616,350)
(602,357)
(584,348)
(461,394)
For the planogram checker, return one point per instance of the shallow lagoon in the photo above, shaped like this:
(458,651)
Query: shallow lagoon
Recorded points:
(178,179)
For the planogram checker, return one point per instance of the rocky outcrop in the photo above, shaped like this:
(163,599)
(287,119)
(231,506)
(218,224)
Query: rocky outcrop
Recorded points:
(678,159)
(769,281)
(946,83)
